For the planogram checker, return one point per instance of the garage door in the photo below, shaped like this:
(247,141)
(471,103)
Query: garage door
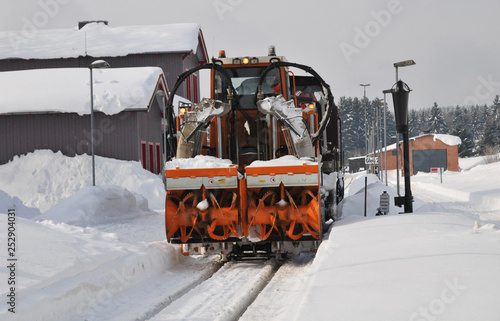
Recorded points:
(423,160)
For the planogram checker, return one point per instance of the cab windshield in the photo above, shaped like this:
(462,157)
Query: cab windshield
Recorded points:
(245,80)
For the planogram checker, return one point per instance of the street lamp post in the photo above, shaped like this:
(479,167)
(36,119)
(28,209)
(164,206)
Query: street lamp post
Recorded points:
(387,91)
(98,64)
(400,95)
(404,63)
(379,144)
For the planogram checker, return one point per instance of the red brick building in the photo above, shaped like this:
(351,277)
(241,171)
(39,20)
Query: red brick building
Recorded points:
(426,151)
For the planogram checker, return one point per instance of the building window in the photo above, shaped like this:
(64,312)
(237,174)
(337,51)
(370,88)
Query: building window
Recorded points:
(151,158)
(195,89)
(144,155)
(158,158)
(188,88)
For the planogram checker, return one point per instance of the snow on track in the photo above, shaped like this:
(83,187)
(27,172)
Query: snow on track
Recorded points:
(280,294)
(224,296)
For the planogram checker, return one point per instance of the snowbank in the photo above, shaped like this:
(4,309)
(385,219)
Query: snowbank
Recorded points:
(403,267)
(429,265)
(42,179)
(466,186)
(469,163)
(7,202)
(95,205)
(65,264)
(64,269)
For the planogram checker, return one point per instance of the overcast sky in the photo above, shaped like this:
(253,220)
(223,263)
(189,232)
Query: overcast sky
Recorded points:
(455,43)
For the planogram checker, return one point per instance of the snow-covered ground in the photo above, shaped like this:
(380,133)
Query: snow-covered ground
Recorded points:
(99,253)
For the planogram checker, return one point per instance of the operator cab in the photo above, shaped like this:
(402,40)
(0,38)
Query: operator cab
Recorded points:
(245,134)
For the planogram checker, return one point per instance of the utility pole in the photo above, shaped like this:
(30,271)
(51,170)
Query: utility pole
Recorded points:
(387,91)
(366,126)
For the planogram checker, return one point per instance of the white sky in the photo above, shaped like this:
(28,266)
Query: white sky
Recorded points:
(454,43)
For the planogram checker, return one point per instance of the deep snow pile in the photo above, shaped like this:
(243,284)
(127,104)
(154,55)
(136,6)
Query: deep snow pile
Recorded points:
(67,262)
(42,179)
(95,205)
(63,269)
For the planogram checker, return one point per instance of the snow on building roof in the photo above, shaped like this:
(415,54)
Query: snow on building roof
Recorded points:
(448,139)
(67,90)
(99,40)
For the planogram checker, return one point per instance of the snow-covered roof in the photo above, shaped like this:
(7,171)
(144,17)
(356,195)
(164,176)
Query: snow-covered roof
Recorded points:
(99,40)
(447,139)
(67,90)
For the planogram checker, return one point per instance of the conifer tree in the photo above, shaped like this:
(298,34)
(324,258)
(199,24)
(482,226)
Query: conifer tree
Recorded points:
(435,121)
(460,129)
(413,128)
(489,138)
(475,123)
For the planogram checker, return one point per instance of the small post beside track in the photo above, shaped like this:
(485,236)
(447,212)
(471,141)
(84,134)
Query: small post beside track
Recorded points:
(366,183)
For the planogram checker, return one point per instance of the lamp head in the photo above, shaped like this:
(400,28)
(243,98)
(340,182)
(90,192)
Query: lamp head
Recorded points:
(98,64)
(400,96)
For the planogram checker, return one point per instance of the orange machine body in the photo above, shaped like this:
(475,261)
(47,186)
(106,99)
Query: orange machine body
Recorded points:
(251,186)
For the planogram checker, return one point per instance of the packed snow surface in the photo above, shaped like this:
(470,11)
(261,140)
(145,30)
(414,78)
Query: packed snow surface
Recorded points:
(99,253)
(67,90)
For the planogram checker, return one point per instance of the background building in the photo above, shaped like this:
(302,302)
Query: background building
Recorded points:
(50,109)
(173,47)
(426,151)
(45,88)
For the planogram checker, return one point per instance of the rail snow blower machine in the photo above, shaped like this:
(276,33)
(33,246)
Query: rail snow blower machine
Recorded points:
(256,169)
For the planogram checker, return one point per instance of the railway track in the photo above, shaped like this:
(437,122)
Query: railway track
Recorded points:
(246,291)
(204,289)
(224,296)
